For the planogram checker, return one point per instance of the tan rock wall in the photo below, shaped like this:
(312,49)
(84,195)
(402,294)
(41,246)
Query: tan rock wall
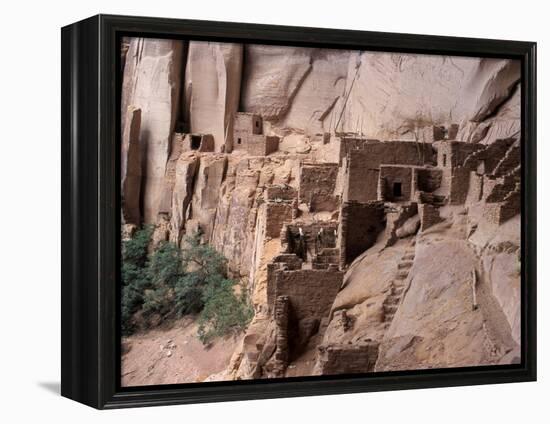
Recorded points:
(130,168)
(212,89)
(151,82)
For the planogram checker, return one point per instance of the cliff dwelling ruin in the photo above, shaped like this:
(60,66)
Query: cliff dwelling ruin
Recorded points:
(352,214)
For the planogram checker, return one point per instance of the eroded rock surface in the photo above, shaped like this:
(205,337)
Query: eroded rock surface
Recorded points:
(151,82)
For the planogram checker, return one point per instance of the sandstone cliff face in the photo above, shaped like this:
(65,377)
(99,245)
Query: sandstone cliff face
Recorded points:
(212,88)
(151,82)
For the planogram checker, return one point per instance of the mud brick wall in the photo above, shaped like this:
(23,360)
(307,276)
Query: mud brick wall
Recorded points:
(281,314)
(360,225)
(363,165)
(475,188)
(499,213)
(428,180)
(280,192)
(451,156)
(391,174)
(326,258)
(348,144)
(460,184)
(261,145)
(347,359)
(311,292)
(429,215)
(244,127)
(499,188)
(276,214)
(287,261)
(511,160)
(317,184)
(271,144)
(489,156)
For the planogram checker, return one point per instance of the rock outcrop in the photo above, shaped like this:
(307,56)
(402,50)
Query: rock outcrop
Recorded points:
(212,89)
(130,167)
(151,82)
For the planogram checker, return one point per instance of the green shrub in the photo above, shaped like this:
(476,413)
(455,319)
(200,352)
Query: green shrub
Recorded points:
(174,281)
(223,313)
(135,279)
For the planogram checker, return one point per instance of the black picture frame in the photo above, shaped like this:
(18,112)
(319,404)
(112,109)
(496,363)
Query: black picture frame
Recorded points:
(91,219)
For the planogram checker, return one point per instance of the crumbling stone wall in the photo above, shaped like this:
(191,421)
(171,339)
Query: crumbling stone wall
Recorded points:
(429,215)
(511,160)
(347,359)
(311,292)
(428,179)
(348,144)
(281,313)
(276,215)
(307,239)
(487,155)
(288,261)
(459,186)
(262,145)
(317,185)
(325,258)
(363,166)
(360,225)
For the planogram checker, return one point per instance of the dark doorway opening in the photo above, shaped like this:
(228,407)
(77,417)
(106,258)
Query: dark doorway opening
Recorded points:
(397,190)
(195,142)
(239,141)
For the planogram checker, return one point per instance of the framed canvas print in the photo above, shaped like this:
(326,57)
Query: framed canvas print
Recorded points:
(255,211)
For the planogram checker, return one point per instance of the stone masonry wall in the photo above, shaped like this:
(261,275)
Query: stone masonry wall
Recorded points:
(280,262)
(360,225)
(347,359)
(317,184)
(363,165)
(311,292)
(429,215)
(391,174)
(276,215)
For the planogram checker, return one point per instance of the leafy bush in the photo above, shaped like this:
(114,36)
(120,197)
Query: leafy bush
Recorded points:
(179,282)
(223,312)
(135,279)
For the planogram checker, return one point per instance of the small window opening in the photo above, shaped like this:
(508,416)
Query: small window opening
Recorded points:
(195,142)
(239,141)
(257,124)
(397,190)
(444,160)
